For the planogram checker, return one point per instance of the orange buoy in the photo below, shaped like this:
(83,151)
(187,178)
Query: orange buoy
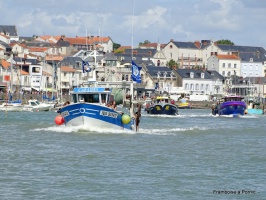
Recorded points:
(59,120)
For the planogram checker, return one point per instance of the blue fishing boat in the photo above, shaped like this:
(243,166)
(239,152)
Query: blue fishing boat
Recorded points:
(231,105)
(91,108)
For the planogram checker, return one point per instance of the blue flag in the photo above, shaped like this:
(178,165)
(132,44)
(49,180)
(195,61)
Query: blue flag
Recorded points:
(85,67)
(136,72)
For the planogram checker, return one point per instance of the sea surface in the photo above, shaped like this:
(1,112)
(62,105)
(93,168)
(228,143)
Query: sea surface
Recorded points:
(191,156)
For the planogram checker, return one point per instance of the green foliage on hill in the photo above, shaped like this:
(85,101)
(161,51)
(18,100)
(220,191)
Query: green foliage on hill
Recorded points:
(225,42)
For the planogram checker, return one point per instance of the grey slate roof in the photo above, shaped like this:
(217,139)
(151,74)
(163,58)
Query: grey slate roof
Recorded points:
(186,45)
(63,43)
(162,70)
(110,56)
(11,30)
(185,73)
(38,44)
(71,61)
(140,52)
(256,56)
(215,75)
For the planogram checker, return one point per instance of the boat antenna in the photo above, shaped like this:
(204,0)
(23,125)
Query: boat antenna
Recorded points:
(132,29)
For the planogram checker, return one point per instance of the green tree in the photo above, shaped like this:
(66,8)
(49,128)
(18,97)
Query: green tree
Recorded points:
(172,64)
(116,46)
(145,42)
(225,42)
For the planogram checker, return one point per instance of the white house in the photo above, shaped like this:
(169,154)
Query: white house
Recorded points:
(226,65)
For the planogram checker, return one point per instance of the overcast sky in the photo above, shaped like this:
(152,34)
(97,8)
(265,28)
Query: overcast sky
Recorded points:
(241,21)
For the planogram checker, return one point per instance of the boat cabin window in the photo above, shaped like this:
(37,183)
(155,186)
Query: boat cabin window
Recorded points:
(74,98)
(232,99)
(166,101)
(91,98)
(104,98)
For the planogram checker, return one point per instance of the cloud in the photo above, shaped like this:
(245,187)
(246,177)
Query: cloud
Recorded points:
(182,20)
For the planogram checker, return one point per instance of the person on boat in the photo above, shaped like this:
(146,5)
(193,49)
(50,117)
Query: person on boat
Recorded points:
(66,103)
(114,106)
(137,116)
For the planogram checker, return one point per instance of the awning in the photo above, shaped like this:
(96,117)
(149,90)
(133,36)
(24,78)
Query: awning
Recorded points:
(50,90)
(26,88)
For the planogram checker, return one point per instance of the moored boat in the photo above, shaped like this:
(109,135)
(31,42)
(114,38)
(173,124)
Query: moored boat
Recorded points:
(35,106)
(231,105)
(253,108)
(184,104)
(162,105)
(11,107)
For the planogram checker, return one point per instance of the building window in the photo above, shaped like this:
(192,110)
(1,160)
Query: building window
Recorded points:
(245,66)
(223,73)
(235,66)
(197,86)
(191,75)
(257,67)
(250,67)
(158,62)
(202,87)
(229,65)
(207,87)
(186,86)
(223,65)
(191,86)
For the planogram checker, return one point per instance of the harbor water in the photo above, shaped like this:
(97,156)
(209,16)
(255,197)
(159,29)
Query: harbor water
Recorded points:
(190,156)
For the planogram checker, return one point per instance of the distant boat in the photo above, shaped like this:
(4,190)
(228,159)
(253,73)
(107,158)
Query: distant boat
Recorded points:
(11,107)
(35,106)
(184,104)
(162,105)
(253,108)
(231,105)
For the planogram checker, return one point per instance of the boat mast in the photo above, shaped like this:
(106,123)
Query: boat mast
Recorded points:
(131,83)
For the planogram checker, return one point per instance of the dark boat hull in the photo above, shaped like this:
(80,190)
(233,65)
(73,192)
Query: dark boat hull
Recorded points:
(231,108)
(159,109)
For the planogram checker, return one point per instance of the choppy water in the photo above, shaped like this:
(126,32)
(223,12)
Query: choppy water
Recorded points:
(190,156)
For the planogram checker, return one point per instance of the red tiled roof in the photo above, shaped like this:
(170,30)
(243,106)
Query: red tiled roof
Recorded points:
(24,72)
(67,69)
(5,64)
(88,40)
(228,57)
(36,49)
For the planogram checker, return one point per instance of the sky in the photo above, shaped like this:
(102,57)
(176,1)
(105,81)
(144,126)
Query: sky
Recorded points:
(130,22)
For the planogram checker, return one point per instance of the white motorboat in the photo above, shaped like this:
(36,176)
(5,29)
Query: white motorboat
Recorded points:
(11,107)
(35,106)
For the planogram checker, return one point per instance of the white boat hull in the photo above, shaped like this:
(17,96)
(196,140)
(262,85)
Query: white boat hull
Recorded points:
(92,123)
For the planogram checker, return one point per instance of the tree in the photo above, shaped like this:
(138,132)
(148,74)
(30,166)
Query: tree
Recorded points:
(225,42)
(116,46)
(145,42)
(172,64)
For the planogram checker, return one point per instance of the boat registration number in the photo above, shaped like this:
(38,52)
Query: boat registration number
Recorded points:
(65,114)
(108,114)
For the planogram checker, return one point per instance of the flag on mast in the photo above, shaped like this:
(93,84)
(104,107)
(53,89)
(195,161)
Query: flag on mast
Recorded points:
(85,66)
(136,72)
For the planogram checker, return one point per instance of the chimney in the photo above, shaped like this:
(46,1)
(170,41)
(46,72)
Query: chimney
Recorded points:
(172,40)
(197,44)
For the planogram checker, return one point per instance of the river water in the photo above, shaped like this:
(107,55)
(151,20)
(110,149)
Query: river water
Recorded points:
(191,156)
